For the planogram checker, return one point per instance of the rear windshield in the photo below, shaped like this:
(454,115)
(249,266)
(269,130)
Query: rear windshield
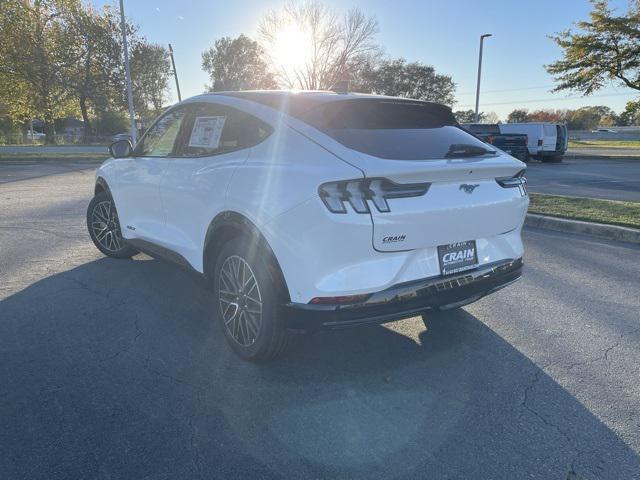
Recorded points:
(396,130)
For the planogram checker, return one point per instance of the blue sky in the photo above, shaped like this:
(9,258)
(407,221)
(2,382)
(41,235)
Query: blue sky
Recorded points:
(440,33)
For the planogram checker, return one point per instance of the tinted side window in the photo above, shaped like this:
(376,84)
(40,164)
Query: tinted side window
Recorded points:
(213,129)
(160,139)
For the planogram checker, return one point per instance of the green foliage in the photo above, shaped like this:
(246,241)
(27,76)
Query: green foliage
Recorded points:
(150,74)
(468,116)
(606,48)
(237,64)
(520,115)
(63,58)
(111,122)
(585,118)
(36,50)
(398,78)
(631,114)
(95,76)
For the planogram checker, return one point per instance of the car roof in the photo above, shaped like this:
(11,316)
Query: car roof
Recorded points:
(299,102)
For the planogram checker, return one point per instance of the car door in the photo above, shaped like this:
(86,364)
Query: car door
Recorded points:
(549,140)
(138,188)
(216,140)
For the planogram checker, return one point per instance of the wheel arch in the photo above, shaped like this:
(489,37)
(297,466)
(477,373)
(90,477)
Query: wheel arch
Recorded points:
(229,224)
(101,186)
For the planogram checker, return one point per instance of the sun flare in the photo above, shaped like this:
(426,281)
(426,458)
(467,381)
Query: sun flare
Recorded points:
(292,48)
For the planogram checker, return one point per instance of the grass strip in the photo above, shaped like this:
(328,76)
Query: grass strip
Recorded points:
(604,144)
(612,212)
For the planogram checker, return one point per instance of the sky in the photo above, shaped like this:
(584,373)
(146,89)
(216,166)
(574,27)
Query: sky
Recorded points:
(444,34)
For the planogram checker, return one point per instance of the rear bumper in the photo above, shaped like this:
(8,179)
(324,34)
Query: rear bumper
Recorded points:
(407,299)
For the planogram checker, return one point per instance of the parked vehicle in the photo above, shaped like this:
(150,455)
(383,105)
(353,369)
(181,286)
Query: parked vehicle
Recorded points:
(315,210)
(547,141)
(604,130)
(514,144)
(121,136)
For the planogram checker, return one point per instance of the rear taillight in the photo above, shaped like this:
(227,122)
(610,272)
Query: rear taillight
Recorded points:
(490,139)
(517,181)
(526,139)
(358,194)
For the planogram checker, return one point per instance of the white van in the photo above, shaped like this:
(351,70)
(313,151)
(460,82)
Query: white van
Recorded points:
(547,141)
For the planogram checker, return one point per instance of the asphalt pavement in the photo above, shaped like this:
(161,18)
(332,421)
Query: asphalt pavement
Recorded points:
(587,177)
(117,369)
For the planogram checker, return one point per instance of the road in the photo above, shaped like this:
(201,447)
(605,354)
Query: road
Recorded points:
(587,177)
(116,369)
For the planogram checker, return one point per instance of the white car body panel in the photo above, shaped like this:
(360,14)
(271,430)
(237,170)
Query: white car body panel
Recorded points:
(135,186)
(171,202)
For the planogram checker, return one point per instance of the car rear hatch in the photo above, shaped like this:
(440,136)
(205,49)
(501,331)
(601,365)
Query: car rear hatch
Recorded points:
(428,182)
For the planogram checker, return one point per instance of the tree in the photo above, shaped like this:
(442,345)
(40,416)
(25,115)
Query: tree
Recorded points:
(312,48)
(36,48)
(607,48)
(150,73)
(518,116)
(544,115)
(398,78)
(237,64)
(585,118)
(491,117)
(96,77)
(630,115)
(16,102)
(111,122)
(468,116)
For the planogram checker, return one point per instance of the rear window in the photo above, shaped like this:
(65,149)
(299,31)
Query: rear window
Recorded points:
(396,130)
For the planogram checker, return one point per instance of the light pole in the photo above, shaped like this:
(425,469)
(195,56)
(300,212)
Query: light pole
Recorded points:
(482,37)
(127,72)
(175,72)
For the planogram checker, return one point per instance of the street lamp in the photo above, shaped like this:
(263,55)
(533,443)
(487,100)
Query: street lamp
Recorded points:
(482,37)
(127,72)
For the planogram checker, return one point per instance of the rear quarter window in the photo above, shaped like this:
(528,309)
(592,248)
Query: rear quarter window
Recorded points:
(390,129)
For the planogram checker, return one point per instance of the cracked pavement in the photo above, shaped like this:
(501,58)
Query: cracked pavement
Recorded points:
(117,369)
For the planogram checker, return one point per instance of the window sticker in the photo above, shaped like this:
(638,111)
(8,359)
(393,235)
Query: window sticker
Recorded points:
(206,132)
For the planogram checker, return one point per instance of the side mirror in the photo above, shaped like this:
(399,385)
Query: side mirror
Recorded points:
(121,149)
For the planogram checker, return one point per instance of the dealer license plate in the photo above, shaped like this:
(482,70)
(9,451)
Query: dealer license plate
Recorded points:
(457,257)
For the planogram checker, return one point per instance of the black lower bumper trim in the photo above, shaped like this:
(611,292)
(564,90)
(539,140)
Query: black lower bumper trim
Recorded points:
(407,299)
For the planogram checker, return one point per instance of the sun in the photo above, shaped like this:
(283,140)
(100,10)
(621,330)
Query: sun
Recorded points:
(291,48)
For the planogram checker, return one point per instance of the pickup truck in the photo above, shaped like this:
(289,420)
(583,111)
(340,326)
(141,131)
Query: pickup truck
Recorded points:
(515,144)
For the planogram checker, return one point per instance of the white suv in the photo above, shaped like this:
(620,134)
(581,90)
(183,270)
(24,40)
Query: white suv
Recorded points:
(315,210)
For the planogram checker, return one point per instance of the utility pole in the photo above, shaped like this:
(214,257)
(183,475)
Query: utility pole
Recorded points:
(127,71)
(175,73)
(482,37)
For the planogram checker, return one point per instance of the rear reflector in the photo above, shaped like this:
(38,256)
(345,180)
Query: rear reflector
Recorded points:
(339,300)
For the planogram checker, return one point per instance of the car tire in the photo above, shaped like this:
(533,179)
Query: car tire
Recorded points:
(104,227)
(552,159)
(246,301)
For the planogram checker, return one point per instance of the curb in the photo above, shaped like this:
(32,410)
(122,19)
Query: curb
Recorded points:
(582,156)
(600,230)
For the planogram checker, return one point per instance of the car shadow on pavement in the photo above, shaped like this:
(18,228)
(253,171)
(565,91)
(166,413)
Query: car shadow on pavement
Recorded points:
(116,369)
